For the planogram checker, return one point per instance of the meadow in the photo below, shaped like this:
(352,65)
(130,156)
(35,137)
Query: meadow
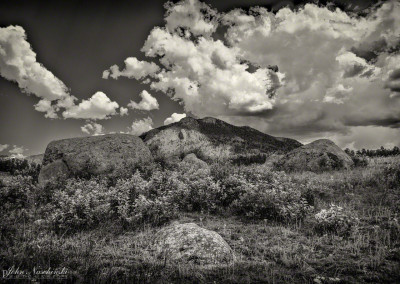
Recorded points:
(332,227)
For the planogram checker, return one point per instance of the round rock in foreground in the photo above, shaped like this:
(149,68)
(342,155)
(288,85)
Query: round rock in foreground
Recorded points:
(191,243)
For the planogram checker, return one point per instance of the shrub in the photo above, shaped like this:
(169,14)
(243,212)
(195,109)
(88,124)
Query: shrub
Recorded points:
(335,220)
(191,188)
(360,161)
(329,162)
(201,192)
(391,176)
(82,204)
(44,194)
(16,203)
(273,196)
(232,187)
(221,170)
(248,159)
(384,177)
(136,200)
(16,193)
(155,211)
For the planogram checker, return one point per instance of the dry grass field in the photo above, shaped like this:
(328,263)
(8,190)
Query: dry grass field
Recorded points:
(335,227)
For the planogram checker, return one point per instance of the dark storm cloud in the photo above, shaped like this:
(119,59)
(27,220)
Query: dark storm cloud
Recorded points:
(392,122)
(393,82)
(275,5)
(370,51)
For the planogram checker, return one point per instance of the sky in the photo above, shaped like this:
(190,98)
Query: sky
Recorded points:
(300,69)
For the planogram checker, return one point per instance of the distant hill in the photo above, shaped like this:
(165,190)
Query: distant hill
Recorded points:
(35,158)
(211,138)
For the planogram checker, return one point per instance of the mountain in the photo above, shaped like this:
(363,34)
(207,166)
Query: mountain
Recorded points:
(211,138)
(318,156)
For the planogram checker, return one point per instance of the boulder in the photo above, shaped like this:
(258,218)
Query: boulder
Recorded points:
(53,171)
(318,156)
(191,243)
(106,155)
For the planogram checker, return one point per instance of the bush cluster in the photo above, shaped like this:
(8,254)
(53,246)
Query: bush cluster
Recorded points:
(16,203)
(245,191)
(273,197)
(83,204)
(249,159)
(335,220)
(136,200)
(158,196)
(80,204)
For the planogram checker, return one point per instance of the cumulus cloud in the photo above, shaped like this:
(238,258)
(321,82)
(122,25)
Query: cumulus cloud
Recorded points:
(205,75)
(147,103)
(175,117)
(304,44)
(133,69)
(18,64)
(123,111)
(99,106)
(3,147)
(46,107)
(329,87)
(208,76)
(191,17)
(383,31)
(392,74)
(332,70)
(139,127)
(93,128)
(17,152)
(352,65)
(338,94)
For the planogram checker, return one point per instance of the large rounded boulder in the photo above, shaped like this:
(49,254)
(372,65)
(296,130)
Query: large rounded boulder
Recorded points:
(190,243)
(106,155)
(318,156)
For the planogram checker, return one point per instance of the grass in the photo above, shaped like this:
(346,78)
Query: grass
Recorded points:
(266,251)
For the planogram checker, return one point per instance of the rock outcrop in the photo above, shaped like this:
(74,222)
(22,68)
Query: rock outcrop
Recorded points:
(191,243)
(213,139)
(318,156)
(107,155)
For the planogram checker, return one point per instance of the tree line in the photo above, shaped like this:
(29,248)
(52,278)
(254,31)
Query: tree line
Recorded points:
(381,152)
(20,167)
